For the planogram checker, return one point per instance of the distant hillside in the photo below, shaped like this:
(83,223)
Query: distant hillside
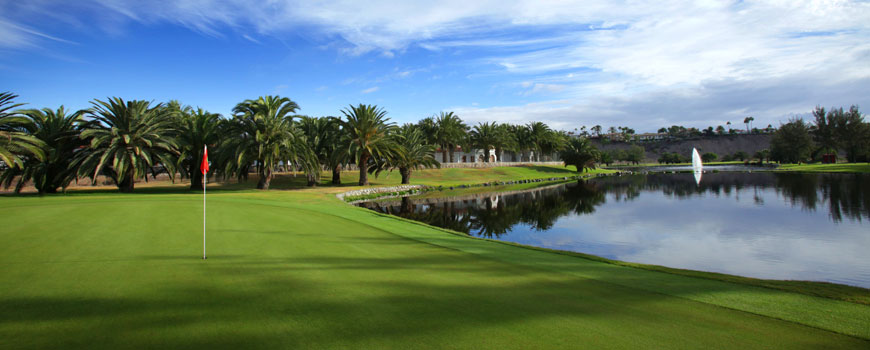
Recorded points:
(721,145)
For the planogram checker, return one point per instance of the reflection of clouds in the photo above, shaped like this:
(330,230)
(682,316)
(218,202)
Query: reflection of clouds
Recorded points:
(781,226)
(717,234)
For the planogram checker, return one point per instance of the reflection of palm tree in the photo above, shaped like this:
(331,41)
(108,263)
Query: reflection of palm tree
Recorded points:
(493,222)
(584,197)
(847,196)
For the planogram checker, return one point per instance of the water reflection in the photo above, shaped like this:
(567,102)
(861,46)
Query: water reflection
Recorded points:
(789,226)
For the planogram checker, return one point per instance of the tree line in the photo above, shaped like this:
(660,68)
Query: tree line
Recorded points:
(831,132)
(127,141)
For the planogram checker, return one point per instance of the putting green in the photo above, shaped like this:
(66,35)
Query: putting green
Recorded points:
(301,269)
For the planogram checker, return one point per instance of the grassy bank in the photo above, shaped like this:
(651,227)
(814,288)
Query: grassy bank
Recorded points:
(293,269)
(826,168)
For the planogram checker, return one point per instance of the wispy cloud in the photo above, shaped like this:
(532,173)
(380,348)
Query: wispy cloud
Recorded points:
(279,89)
(609,60)
(14,35)
(370,90)
(251,39)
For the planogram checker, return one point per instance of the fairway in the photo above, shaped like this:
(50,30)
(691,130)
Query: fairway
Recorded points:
(301,269)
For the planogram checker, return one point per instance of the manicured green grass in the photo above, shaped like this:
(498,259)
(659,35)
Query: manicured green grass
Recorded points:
(827,168)
(301,269)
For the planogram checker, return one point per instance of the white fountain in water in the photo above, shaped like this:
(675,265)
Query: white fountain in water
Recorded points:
(697,166)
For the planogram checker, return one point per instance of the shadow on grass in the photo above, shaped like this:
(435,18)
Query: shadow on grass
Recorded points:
(279,182)
(432,301)
(545,169)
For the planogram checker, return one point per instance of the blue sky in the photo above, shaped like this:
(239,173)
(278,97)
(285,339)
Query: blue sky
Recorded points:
(566,63)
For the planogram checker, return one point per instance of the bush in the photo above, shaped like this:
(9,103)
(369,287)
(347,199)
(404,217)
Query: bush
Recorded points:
(672,158)
(709,157)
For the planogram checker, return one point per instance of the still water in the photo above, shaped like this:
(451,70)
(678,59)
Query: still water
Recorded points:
(775,226)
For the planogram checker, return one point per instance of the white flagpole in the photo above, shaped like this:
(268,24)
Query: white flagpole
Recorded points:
(204,176)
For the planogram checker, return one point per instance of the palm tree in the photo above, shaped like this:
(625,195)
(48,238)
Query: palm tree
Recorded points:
(413,153)
(523,137)
(539,134)
(580,153)
(14,141)
(264,135)
(554,143)
(484,136)
(505,140)
(368,136)
(597,130)
(429,129)
(128,139)
(323,136)
(196,129)
(59,133)
(747,121)
(450,131)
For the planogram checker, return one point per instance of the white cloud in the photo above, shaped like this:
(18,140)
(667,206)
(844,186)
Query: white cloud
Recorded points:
(770,101)
(370,90)
(599,55)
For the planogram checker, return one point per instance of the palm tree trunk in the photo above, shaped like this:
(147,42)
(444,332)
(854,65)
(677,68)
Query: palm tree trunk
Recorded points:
(406,175)
(406,207)
(312,181)
(363,174)
(126,184)
(336,175)
(265,178)
(443,154)
(195,176)
(451,153)
(486,155)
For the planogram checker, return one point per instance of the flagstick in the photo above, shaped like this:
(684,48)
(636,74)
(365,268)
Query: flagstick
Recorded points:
(204,177)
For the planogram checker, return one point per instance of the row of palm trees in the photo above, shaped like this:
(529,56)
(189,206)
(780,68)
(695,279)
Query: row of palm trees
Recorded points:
(448,131)
(129,140)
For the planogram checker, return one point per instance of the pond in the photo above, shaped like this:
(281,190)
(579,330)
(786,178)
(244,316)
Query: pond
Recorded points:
(764,225)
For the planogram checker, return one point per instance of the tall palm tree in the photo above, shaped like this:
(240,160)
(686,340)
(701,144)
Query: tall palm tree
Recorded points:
(556,141)
(597,130)
(429,129)
(59,133)
(539,134)
(505,140)
(484,136)
(323,136)
(450,131)
(129,138)
(14,141)
(413,153)
(523,138)
(263,134)
(367,131)
(196,129)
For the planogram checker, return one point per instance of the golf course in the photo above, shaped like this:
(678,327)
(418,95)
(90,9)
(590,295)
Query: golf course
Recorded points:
(296,267)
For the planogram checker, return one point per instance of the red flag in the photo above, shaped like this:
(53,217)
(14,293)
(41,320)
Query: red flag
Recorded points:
(204,165)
